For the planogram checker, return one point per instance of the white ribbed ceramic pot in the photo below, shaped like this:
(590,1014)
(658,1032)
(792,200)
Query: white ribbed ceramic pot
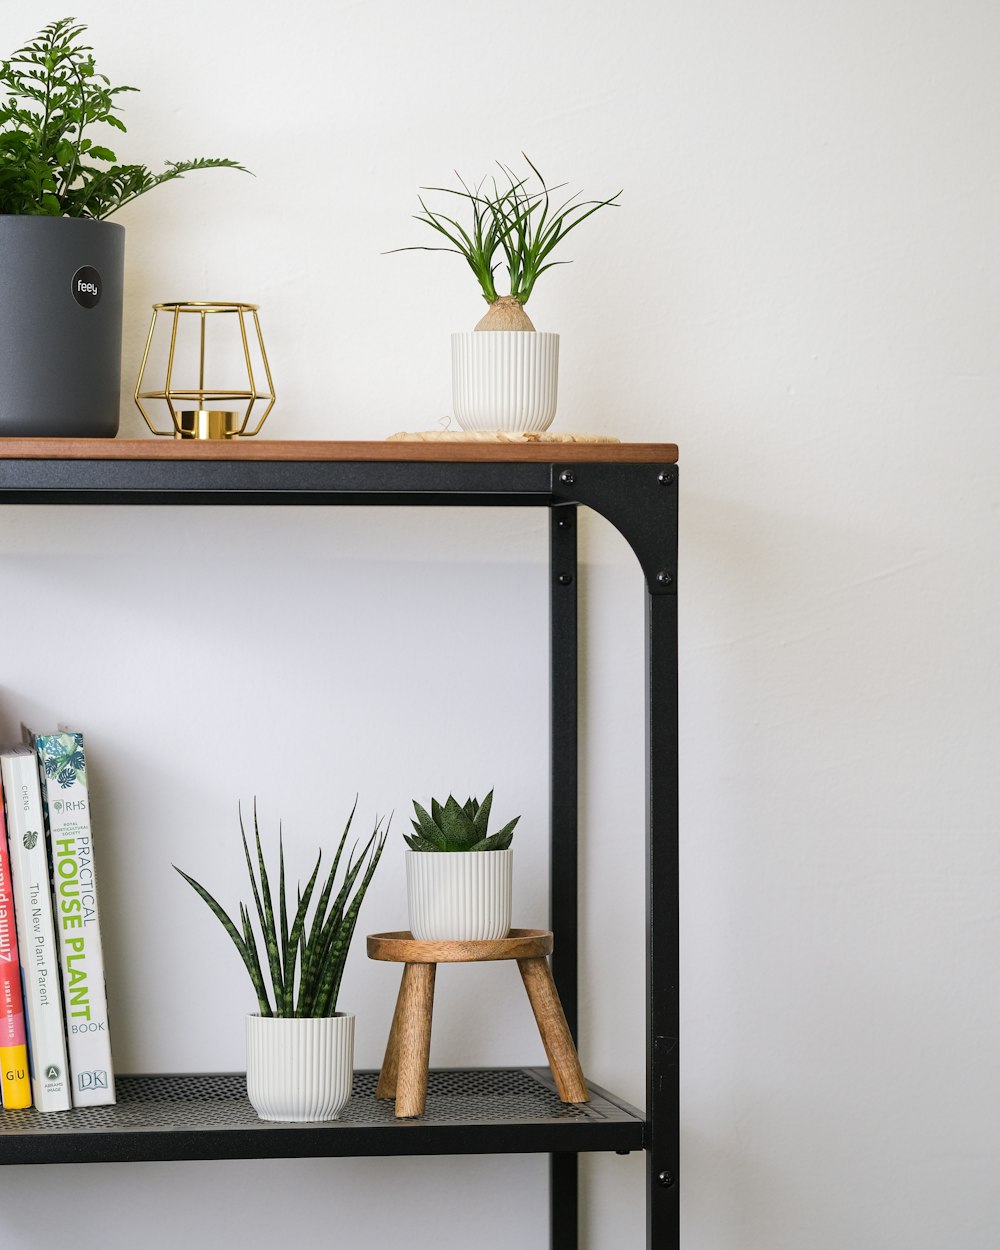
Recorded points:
(505,379)
(459,896)
(300,1070)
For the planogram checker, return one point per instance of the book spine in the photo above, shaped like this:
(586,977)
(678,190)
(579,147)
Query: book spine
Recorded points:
(35,932)
(63,767)
(15,1084)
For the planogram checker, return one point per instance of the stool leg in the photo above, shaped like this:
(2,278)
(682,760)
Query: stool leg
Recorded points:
(414,1009)
(556,1039)
(386,1087)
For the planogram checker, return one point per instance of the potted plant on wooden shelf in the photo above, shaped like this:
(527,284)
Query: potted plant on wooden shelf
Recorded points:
(458,874)
(300,1049)
(507,379)
(63,273)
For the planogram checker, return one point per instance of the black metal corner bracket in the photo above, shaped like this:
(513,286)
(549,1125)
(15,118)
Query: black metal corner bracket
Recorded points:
(640,501)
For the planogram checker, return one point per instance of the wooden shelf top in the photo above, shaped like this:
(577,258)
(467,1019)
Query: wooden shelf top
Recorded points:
(315,450)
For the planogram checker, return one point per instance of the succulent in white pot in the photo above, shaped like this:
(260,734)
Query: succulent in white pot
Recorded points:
(458,874)
(505,374)
(300,1049)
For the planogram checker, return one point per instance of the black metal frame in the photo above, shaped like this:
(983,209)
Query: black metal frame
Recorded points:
(641,501)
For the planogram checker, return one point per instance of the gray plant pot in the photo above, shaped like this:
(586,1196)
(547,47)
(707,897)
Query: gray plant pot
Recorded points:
(61,281)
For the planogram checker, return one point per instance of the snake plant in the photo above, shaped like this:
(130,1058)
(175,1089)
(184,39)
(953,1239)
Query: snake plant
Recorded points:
(305,958)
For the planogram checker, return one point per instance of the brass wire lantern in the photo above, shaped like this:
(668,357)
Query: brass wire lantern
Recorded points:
(204,411)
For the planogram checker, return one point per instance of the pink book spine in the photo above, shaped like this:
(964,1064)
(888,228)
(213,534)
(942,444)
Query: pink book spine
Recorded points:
(15,1083)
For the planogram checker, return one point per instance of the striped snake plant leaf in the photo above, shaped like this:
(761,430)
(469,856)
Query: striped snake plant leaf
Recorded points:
(329,988)
(256,975)
(265,911)
(331,954)
(325,924)
(287,974)
(248,952)
(296,941)
(310,945)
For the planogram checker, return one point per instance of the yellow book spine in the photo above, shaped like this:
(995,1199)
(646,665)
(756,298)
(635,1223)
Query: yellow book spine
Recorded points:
(16,1084)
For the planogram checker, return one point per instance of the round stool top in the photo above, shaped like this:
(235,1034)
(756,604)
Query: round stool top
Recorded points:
(403,948)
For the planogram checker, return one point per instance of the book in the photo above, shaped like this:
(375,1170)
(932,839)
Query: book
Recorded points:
(36,938)
(63,768)
(15,1084)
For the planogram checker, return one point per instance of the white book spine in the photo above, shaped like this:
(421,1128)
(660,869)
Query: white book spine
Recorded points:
(36,938)
(63,770)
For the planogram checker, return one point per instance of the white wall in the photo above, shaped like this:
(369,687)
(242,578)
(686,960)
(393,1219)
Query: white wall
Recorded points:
(801,287)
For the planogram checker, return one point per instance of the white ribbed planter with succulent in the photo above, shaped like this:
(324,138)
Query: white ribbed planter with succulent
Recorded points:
(505,374)
(300,1049)
(458,875)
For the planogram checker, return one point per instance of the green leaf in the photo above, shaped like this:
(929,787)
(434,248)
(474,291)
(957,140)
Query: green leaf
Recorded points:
(482,816)
(504,835)
(497,842)
(52,95)
(458,829)
(330,986)
(428,827)
(265,909)
(417,843)
(243,944)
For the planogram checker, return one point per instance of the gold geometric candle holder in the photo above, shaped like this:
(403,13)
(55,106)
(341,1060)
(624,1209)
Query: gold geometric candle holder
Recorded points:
(217,331)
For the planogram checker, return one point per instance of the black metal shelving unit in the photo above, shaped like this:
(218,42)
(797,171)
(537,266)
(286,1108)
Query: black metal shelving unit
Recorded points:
(516,1110)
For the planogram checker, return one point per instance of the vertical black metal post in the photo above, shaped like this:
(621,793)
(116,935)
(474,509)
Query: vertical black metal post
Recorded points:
(563,875)
(663,953)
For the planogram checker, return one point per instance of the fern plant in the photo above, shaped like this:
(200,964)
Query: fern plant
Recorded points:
(50,96)
(457,827)
(304,956)
(513,216)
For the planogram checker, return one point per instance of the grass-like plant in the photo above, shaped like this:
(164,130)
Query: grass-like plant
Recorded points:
(513,216)
(457,827)
(305,958)
(49,166)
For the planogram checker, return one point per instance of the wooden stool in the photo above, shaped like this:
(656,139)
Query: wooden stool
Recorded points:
(407,1053)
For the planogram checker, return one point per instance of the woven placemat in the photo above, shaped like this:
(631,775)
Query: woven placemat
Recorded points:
(496,436)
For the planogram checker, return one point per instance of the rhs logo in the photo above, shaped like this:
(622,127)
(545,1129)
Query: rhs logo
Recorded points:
(87,286)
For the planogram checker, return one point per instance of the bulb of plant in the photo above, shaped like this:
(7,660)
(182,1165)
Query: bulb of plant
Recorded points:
(458,874)
(300,1049)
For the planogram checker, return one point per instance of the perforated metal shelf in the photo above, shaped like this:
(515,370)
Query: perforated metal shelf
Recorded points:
(207,1116)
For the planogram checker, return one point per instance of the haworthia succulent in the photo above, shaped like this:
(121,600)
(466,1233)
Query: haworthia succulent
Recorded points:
(452,826)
